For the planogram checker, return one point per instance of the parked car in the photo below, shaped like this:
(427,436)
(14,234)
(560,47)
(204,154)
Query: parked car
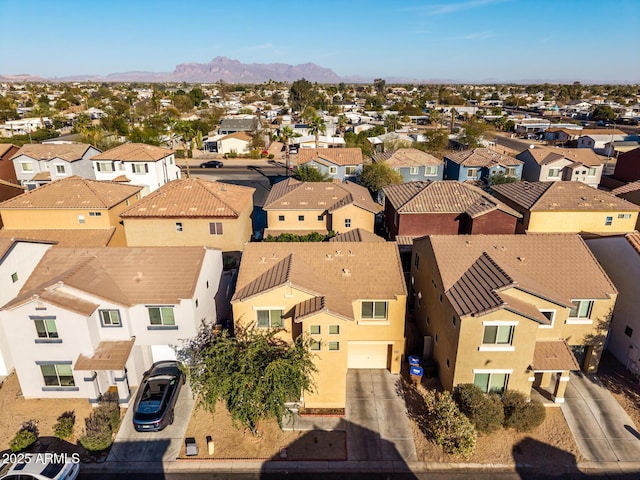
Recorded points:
(212,164)
(40,467)
(156,399)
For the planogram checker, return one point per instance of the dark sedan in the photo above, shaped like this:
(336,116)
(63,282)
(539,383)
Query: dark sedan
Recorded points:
(157,396)
(212,164)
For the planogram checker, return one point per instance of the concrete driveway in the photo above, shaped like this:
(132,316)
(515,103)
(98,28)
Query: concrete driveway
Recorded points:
(156,447)
(602,429)
(376,414)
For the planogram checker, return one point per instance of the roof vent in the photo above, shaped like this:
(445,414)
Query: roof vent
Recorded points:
(139,277)
(263,260)
(274,256)
(328,257)
(338,253)
(521,259)
(351,254)
(467,243)
(346,272)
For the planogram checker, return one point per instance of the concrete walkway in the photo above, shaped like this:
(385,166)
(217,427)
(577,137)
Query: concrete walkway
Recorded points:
(602,429)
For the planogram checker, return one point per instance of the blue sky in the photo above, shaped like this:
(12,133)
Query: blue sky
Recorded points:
(591,41)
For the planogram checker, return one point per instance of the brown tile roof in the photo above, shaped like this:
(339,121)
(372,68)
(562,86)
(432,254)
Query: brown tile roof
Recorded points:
(407,157)
(336,156)
(628,188)
(5,147)
(553,355)
(357,235)
(121,179)
(238,135)
(602,131)
(342,273)
(482,157)
(42,176)
(291,194)
(64,237)
(634,240)
(193,197)
(107,356)
(475,269)
(123,275)
(61,299)
(406,240)
(70,152)
(545,155)
(135,152)
(561,196)
(73,192)
(6,244)
(443,196)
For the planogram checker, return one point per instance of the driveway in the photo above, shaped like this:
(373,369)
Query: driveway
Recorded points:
(132,446)
(377,422)
(602,429)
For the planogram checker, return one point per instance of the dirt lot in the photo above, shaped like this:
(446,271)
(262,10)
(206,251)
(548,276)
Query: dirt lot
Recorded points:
(622,385)
(233,442)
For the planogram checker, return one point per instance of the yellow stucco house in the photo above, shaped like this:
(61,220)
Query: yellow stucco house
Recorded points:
(569,207)
(192,212)
(71,204)
(349,298)
(511,311)
(304,207)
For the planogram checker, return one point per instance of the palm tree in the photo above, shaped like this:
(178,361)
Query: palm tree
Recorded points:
(341,126)
(286,134)
(186,131)
(391,122)
(316,127)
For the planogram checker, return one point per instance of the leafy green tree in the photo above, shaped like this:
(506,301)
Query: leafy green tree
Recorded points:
(377,175)
(436,140)
(255,374)
(603,112)
(316,127)
(379,84)
(472,131)
(392,123)
(447,426)
(300,94)
(305,173)
(500,178)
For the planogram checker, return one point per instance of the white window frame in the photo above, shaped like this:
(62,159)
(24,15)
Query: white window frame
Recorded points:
(592,171)
(336,327)
(136,167)
(430,170)
(507,372)
(28,165)
(350,170)
(549,174)
(581,320)
(373,317)
(270,309)
(59,166)
(163,322)
(49,333)
(553,317)
(498,347)
(414,170)
(106,167)
(473,171)
(59,383)
(333,170)
(108,320)
(81,219)
(510,171)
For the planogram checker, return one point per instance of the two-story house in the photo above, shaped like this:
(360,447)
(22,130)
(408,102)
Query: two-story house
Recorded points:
(480,164)
(73,204)
(570,207)
(339,163)
(7,169)
(305,207)
(139,164)
(511,312)
(628,166)
(192,211)
(230,143)
(90,320)
(39,164)
(412,164)
(544,164)
(348,298)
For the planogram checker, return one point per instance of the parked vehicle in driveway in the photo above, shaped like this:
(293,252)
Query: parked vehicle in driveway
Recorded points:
(212,164)
(156,399)
(41,466)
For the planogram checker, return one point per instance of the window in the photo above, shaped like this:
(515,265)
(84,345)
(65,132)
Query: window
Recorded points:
(472,173)
(554,173)
(333,170)
(60,170)
(281,218)
(81,219)
(608,221)
(497,334)
(178,226)
(320,218)
(95,214)
(126,202)
(140,168)
(104,166)
(592,171)
(347,223)
(161,316)
(430,171)
(511,172)
(314,345)
(57,375)
(581,309)
(624,215)
(550,315)
(416,261)
(270,318)
(413,170)
(14,277)
(314,329)
(628,331)
(334,329)
(334,346)
(491,382)
(26,167)
(301,218)
(110,318)
(46,328)
(350,170)
(374,310)
(215,228)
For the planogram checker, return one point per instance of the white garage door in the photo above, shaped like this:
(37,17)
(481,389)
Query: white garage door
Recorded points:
(367,355)
(162,352)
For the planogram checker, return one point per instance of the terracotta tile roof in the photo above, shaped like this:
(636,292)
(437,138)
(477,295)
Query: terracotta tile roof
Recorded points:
(121,179)
(628,188)
(407,157)
(561,196)
(135,152)
(193,197)
(482,157)
(237,135)
(5,147)
(73,192)
(107,356)
(64,237)
(335,156)
(70,152)
(291,194)
(406,240)
(607,132)
(341,273)
(357,235)
(62,299)
(634,240)
(123,275)
(6,244)
(553,355)
(42,176)
(546,155)
(308,308)
(443,196)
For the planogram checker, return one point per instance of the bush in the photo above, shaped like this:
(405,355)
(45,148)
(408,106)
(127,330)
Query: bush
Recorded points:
(64,426)
(101,424)
(26,436)
(485,411)
(254,154)
(447,427)
(271,156)
(520,413)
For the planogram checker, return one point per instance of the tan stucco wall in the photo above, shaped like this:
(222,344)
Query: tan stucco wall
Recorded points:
(291,222)
(581,222)
(359,219)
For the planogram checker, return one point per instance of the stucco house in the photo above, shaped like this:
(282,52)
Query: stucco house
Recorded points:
(339,163)
(331,293)
(480,165)
(628,166)
(570,207)
(412,164)
(231,143)
(90,320)
(511,312)
(544,164)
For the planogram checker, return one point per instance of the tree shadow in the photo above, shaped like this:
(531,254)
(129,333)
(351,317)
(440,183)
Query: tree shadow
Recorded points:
(617,379)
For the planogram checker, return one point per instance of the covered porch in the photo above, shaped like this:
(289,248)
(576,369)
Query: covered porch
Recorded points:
(552,362)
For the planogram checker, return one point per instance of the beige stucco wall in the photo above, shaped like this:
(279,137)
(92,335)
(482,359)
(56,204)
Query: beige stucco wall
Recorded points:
(291,222)
(581,222)
(359,219)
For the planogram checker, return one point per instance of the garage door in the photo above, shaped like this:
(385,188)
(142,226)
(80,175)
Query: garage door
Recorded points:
(162,352)
(367,355)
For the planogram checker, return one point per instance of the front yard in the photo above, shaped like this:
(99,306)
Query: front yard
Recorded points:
(622,384)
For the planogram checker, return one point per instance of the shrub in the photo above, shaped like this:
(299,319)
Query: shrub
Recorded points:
(254,154)
(520,413)
(26,436)
(101,424)
(447,427)
(271,156)
(232,154)
(64,426)
(485,411)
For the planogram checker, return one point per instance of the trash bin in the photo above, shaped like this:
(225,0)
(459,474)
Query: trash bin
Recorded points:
(416,373)
(414,360)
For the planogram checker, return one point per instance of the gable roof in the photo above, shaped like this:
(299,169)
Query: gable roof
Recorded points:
(292,194)
(335,156)
(134,152)
(246,124)
(443,196)
(482,158)
(193,197)
(9,190)
(73,192)
(334,275)
(559,196)
(7,244)
(407,157)
(64,237)
(627,188)
(6,148)
(237,135)
(70,152)
(357,235)
(546,155)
